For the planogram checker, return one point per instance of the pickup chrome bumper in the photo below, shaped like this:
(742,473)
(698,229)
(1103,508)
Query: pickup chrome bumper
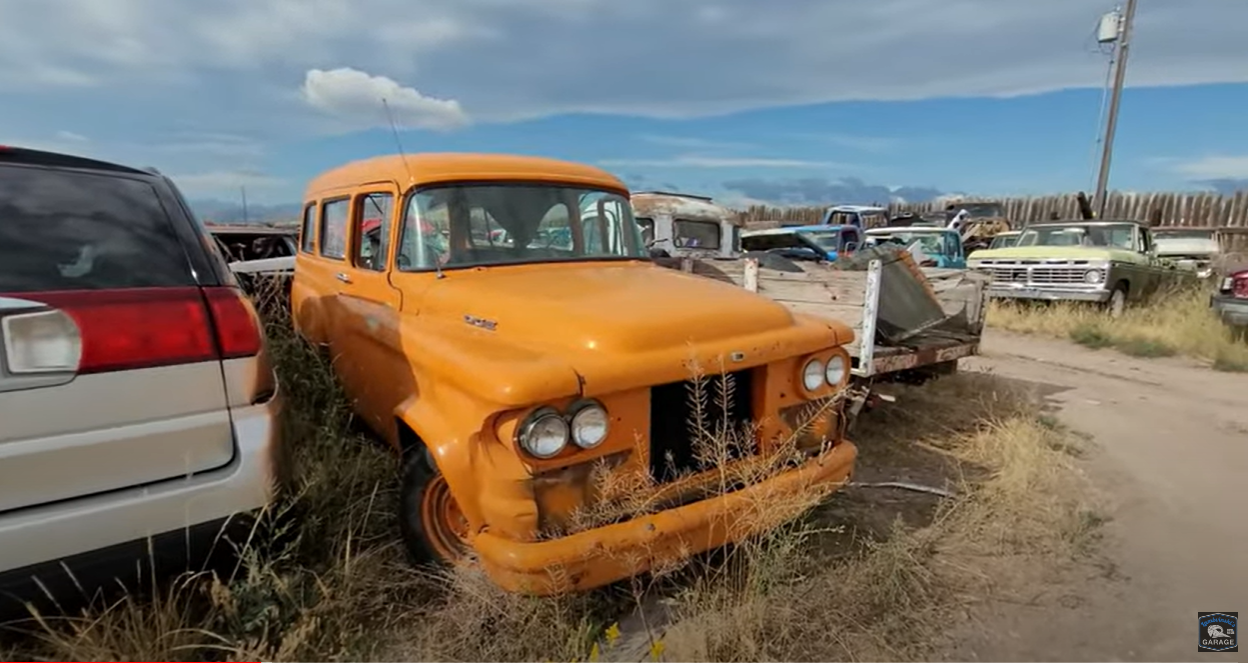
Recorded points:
(1048,293)
(1232,310)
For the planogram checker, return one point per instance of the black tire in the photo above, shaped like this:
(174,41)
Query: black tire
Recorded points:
(419,536)
(1117,303)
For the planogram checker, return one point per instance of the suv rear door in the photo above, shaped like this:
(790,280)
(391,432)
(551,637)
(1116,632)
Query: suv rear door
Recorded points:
(110,361)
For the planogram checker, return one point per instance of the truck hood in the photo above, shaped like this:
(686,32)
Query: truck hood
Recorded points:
(601,307)
(1055,253)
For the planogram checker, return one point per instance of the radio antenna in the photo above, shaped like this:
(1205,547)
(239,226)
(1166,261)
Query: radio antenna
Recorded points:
(411,179)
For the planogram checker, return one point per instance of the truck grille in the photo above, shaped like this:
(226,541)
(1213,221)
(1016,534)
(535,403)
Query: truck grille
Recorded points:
(675,430)
(1037,273)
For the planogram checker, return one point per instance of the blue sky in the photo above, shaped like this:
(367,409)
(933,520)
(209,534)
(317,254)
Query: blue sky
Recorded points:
(793,101)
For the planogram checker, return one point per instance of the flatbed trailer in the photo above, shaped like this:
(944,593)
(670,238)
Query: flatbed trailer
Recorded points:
(897,337)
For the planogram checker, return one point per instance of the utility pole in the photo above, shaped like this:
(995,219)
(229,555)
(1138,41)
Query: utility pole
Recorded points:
(1121,47)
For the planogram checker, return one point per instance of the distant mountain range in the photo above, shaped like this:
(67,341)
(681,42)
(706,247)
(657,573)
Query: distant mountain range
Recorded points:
(222,211)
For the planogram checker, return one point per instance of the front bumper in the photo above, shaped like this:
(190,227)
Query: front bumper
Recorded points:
(1232,310)
(603,555)
(1048,293)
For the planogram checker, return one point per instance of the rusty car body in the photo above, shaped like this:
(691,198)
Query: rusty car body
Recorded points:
(681,225)
(1192,248)
(514,371)
(261,257)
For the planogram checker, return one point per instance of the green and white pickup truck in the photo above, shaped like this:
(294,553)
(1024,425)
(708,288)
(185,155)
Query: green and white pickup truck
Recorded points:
(1109,262)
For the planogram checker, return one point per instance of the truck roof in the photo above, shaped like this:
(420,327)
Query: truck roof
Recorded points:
(684,206)
(859,209)
(433,168)
(785,230)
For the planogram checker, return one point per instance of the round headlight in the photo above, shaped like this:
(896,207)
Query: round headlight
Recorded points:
(812,375)
(1093,276)
(835,371)
(545,434)
(589,425)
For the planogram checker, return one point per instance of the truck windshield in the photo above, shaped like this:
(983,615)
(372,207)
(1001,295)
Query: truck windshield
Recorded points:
(471,225)
(929,243)
(1119,236)
(982,210)
(825,239)
(1003,241)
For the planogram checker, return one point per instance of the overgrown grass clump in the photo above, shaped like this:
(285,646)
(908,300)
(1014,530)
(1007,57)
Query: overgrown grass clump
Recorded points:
(1175,323)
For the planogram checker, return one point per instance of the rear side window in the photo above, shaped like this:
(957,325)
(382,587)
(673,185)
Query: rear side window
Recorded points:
(63,230)
(307,233)
(334,228)
(696,234)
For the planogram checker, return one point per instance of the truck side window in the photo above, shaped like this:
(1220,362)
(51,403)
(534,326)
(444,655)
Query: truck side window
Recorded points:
(372,230)
(308,231)
(647,229)
(334,228)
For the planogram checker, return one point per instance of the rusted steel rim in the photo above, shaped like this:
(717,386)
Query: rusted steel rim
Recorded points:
(444,523)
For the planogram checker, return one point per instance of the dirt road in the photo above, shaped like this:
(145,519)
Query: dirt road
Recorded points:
(1170,458)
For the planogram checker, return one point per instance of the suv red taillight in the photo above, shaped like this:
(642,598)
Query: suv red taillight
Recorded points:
(114,330)
(1239,285)
(236,322)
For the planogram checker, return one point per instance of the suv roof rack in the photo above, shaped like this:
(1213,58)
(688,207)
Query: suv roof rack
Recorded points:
(60,160)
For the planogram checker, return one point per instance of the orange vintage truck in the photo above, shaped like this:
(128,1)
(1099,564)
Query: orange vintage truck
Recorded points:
(505,331)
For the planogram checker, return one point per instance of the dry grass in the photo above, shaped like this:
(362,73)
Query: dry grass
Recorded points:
(892,597)
(1179,323)
(327,581)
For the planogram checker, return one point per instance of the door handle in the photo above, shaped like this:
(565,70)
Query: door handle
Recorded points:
(342,276)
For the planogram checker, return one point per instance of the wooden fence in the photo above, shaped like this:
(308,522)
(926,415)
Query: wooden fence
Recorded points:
(1161,209)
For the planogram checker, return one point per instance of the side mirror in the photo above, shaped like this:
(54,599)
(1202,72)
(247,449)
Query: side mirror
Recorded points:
(850,247)
(656,252)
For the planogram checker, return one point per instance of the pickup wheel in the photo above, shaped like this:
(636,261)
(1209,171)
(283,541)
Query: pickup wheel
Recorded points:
(433,527)
(1117,300)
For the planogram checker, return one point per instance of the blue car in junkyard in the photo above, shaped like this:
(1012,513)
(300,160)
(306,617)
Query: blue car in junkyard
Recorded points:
(818,242)
(941,247)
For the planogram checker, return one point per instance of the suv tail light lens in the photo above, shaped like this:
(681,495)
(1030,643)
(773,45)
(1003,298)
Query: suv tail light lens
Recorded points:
(1239,285)
(236,322)
(41,342)
(96,331)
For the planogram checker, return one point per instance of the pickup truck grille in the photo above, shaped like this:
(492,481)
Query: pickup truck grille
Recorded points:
(1037,273)
(674,429)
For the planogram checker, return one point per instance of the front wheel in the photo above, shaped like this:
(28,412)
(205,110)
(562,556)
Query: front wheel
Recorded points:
(434,529)
(1117,301)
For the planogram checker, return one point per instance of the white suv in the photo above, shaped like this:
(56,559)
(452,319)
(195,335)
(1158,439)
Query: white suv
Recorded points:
(138,410)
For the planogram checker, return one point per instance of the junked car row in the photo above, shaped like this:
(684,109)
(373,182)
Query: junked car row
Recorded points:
(515,329)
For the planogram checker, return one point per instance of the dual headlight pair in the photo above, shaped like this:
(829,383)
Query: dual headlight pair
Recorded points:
(815,373)
(547,432)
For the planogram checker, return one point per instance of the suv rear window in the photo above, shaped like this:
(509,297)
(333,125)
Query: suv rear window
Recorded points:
(68,230)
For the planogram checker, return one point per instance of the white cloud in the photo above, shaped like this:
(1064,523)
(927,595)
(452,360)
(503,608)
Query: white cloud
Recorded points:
(225,184)
(510,59)
(695,161)
(357,99)
(71,136)
(691,143)
(1214,168)
(874,144)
